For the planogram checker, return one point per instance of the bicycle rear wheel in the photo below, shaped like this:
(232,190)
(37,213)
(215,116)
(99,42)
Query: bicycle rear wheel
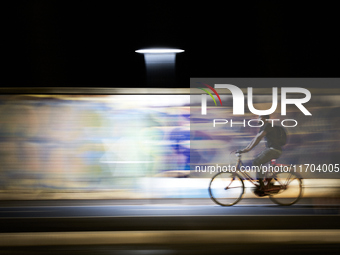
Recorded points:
(290,189)
(226,188)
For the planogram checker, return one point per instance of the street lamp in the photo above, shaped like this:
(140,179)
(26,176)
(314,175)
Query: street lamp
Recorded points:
(160,65)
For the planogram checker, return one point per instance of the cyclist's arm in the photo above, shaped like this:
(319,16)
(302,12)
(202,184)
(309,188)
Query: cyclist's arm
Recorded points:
(255,141)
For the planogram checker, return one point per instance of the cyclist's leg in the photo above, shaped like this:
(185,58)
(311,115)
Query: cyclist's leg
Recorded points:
(264,157)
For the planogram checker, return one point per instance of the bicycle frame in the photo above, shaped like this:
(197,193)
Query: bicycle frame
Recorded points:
(246,176)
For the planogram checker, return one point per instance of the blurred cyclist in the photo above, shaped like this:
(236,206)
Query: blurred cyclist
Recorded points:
(275,139)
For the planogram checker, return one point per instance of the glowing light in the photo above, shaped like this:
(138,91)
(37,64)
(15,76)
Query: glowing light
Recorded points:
(159,51)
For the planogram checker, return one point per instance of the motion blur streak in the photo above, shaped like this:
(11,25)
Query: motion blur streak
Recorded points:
(56,143)
(127,146)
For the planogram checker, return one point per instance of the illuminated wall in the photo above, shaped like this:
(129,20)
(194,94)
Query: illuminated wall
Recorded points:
(61,143)
(91,142)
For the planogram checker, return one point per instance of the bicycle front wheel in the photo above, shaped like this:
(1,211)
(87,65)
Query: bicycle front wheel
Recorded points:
(226,188)
(290,188)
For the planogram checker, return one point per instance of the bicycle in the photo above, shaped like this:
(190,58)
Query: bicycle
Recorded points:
(226,188)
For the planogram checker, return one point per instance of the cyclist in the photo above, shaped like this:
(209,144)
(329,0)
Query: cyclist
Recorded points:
(273,146)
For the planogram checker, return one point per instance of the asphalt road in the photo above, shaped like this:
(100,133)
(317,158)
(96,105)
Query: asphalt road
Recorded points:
(69,227)
(106,216)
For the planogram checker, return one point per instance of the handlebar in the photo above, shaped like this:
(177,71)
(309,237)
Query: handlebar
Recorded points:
(238,153)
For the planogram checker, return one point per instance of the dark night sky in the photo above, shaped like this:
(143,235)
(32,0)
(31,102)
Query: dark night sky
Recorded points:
(92,43)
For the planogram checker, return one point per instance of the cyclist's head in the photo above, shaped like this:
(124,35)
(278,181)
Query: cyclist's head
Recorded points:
(264,118)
